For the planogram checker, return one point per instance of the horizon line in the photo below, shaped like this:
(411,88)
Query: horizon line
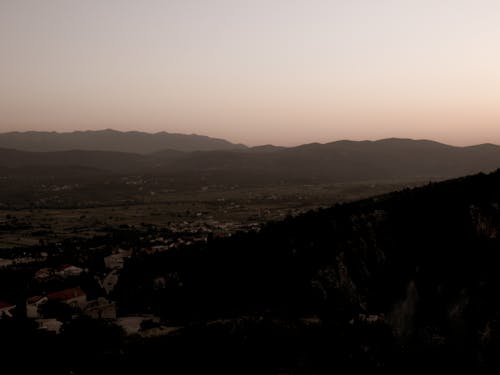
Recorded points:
(244,144)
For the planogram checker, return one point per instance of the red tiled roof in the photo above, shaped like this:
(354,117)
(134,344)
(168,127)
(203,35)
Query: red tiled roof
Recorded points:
(4,304)
(66,294)
(43,272)
(34,299)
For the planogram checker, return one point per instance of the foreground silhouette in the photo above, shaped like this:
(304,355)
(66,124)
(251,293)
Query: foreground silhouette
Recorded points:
(403,282)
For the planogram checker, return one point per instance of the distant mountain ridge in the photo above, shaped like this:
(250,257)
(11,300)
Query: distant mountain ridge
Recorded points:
(341,161)
(112,140)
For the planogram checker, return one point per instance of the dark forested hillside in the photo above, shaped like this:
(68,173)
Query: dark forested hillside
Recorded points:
(407,281)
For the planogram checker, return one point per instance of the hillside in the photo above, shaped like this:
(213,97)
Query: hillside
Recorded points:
(342,161)
(349,161)
(404,282)
(112,140)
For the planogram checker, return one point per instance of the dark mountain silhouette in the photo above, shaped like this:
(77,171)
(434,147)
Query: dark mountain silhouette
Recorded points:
(103,161)
(267,148)
(402,283)
(112,140)
(342,161)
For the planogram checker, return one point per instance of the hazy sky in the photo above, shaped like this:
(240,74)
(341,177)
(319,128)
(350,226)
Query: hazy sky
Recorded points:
(256,71)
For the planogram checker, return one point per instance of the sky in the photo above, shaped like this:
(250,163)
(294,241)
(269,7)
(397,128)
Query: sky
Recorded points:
(259,71)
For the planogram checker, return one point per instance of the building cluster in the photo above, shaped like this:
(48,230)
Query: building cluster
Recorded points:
(51,307)
(60,289)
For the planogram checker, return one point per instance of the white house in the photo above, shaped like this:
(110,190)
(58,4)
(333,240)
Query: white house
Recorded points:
(67,270)
(44,273)
(6,309)
(116,260)
(51,325)
(33,304)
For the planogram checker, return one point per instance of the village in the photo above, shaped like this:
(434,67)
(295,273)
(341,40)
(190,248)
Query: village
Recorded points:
(58,265)
(55,283)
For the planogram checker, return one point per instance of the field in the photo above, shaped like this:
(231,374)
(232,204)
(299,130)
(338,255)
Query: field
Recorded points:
(216,209)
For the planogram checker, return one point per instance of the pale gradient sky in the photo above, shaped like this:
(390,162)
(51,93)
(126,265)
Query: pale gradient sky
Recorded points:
(256,71)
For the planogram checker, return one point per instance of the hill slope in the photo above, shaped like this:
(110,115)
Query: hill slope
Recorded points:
(342,161)
(408,281)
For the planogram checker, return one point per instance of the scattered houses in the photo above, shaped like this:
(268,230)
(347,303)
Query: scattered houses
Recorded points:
(5,262)
(371,318)
(65,270)
(28,260)
(58,277)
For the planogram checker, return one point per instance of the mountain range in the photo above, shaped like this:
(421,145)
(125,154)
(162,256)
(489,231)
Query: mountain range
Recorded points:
(112,140)
(340,161)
